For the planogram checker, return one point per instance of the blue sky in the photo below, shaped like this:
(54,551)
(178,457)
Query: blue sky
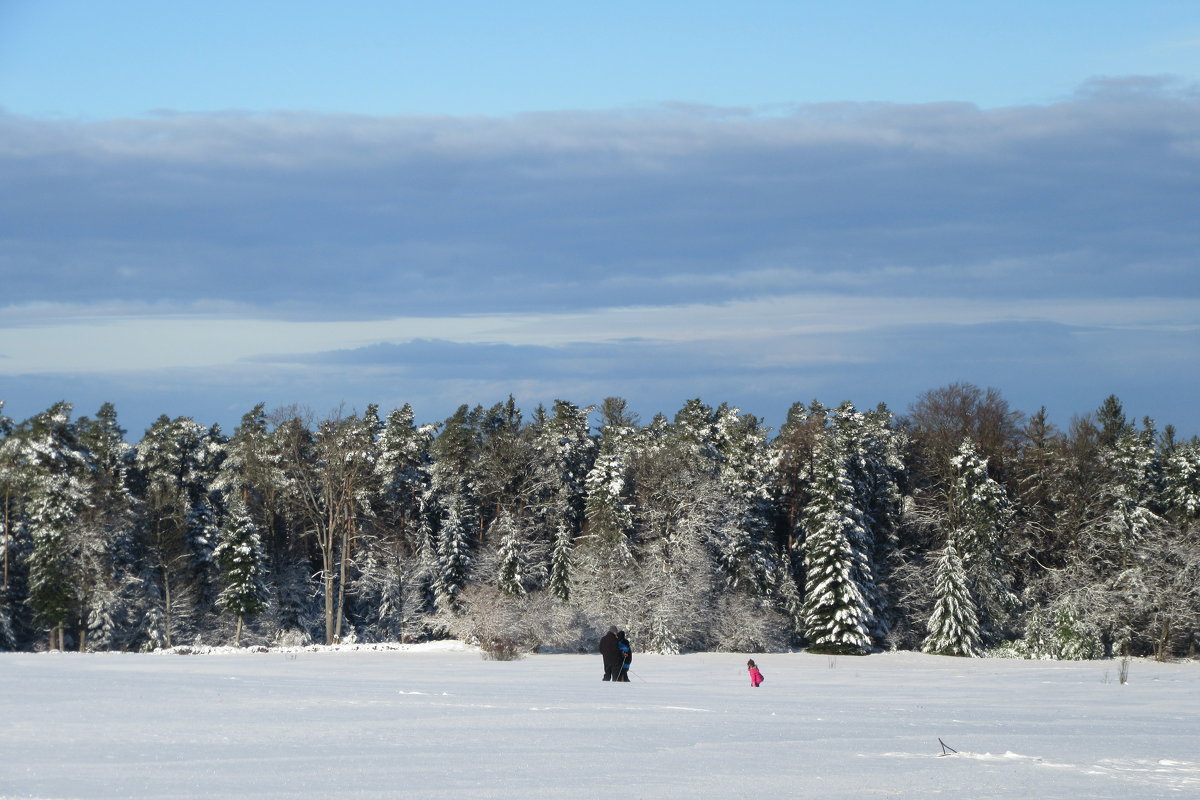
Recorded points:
(210,205)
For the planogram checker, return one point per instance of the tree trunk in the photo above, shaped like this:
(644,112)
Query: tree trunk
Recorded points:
(327,570)
(7,538)
(167,605)
(1164,640)
(327,540)
(342,568)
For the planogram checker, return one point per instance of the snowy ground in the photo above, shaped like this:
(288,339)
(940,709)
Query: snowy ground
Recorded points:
(440,722)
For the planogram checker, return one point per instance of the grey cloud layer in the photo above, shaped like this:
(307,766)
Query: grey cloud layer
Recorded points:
(346,216)
(873,237)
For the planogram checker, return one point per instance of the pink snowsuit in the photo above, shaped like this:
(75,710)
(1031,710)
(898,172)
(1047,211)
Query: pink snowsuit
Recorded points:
(755,677)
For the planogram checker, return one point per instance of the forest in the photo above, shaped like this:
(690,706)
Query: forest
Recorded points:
(962,527)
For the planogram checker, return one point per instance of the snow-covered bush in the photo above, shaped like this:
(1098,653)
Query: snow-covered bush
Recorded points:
(743,626)
(505,627)
(1059,634)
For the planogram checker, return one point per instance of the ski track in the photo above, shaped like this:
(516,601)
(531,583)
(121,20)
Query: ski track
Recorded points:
(1165,773)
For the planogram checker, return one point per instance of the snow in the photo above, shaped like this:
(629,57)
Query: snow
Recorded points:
(438,721)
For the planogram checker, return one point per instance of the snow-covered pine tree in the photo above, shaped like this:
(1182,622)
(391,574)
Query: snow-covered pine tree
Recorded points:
(512,564)
(452,504)
(605,556)
(9,493)
(1114,524)
(562,562)
(293,464)
(1040,480)
(954,625)
(979,516)
(608,511)
(503,465)
(1129,496)
(875,467)
(565,453)
(239,554)
(837,611)
(789,601)
(58,477)
(1181,474)
(402,471)
(396,562)
(454,553)
(744,544)
(107,549)
(253,468)
(175,464)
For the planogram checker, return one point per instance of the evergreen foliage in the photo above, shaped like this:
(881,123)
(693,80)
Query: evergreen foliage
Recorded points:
(839,616)
(958,528)
(954,625)
(240,557)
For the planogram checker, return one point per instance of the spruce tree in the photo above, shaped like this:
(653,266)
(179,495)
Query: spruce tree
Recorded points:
(954,625)
(511,557)
(454,554)
(239,554)
(746,475)
(175,465)
(451,503)
(608,510)
(1181,474)
(838,617)
(58,485)
(565,455)
(978,520)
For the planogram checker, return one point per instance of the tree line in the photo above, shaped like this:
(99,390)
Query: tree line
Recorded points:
(962,527)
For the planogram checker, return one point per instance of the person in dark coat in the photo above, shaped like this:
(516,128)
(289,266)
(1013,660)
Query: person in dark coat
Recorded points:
(611,651)
(626,657)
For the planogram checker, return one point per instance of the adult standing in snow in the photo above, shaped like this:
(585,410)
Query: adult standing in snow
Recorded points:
(611,651)
(626,657)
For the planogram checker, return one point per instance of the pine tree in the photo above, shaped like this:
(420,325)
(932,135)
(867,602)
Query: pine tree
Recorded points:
(1181,472)
(565,454)
(395,562)
(608,510)
(239,554)
(1127,512)
(978,518)
(58,484)
(745,473)
(452,505)
(9,492)
(175,466)
(954,624)
(108,552)
(454,555)
(837,613)
(403,473)
(874,463)
(511,570)
(562,562)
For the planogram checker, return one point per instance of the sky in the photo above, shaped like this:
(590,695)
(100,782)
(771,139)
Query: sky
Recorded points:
(205,206)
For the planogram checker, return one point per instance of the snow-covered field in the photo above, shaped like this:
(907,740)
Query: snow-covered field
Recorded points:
(440,722)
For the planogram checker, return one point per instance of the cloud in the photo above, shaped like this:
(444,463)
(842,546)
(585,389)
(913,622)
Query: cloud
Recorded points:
(860,251)
(354,216)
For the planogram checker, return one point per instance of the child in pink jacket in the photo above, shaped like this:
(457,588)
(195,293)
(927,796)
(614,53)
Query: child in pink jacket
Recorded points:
(756,677)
